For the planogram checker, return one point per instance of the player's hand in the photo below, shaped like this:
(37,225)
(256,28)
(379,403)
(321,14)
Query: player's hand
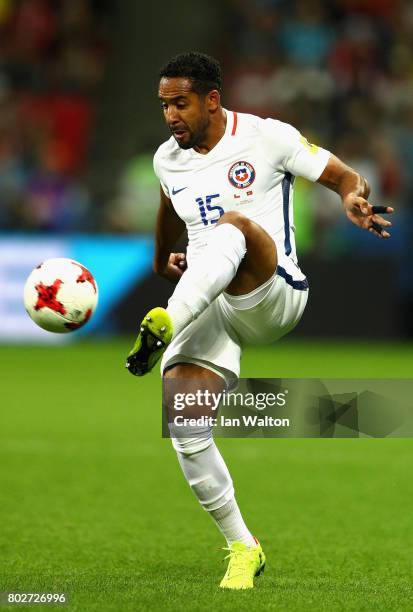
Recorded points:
(366,216)
(175,267)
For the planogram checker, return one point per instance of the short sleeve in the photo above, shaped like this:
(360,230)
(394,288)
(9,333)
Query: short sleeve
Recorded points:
(157,166)
(286,147)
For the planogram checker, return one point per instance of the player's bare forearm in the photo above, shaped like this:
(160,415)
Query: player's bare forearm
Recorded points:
(342,179)
(354,191)
(169,228)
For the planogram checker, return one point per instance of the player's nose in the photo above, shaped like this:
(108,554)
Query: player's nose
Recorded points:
(172,116)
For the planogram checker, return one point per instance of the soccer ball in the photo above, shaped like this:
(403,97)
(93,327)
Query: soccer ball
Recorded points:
(60,295)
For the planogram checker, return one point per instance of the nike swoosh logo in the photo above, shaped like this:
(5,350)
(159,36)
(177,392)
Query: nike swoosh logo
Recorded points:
(175,191)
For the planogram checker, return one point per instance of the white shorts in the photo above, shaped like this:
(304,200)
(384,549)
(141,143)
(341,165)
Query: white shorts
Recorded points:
(215,339)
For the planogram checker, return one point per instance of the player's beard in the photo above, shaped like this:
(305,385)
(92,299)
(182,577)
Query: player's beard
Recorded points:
(196,137)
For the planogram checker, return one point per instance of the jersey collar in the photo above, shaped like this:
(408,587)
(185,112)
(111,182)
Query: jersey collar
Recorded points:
(230,130)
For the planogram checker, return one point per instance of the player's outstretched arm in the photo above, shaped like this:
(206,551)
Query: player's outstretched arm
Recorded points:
(169,228)
(354,191)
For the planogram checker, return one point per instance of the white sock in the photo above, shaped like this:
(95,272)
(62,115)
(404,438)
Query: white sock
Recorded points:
(231,524)
(210,480)
(207,276)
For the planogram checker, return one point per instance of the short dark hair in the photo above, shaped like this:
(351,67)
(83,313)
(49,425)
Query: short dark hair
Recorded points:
(203,70)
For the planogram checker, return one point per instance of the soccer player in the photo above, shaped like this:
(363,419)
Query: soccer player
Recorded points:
(228,178)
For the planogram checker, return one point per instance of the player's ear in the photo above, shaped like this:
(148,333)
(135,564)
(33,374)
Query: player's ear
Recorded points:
(213,100)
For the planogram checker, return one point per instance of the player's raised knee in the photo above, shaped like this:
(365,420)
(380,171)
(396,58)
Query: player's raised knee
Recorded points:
(236,218)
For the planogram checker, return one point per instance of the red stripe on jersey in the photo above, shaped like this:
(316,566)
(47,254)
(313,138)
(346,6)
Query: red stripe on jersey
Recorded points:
(234,125)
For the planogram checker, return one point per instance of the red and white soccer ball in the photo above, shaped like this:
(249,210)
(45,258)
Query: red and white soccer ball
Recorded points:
(60,295)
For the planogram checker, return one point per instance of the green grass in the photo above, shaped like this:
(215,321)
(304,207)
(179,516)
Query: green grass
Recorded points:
(93,503)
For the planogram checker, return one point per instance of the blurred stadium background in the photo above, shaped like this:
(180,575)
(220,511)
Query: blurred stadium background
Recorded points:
(79,123)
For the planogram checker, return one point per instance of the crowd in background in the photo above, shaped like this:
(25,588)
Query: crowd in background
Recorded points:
(52,60)
(341,71)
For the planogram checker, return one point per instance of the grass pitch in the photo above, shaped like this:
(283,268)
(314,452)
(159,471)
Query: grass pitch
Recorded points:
(93,503)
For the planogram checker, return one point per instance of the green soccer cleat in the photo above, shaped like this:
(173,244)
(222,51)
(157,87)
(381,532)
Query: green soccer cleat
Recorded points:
(154,336)
(244,564)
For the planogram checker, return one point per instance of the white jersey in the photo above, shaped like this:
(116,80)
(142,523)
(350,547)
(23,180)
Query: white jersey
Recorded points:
(250,170)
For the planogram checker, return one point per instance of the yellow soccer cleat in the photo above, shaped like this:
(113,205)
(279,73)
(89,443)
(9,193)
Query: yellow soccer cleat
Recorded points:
(154,336)
(244,564)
